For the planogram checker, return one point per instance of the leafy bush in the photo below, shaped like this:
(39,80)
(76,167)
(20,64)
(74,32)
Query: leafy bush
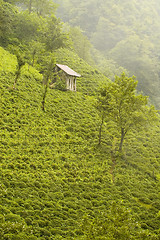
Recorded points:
(53,175)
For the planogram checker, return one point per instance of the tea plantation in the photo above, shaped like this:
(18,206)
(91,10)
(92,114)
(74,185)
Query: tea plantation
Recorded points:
(55,181)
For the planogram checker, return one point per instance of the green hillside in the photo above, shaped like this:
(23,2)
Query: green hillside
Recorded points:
(56,183)
(126,31)
(91,78)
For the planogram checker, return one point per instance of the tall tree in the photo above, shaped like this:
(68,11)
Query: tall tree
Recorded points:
(81,44)
(20,63)
(102,106)
(7,20)
(126,109)
(44,7)
(48,72)
(52,35)
(27,27)
(40,7)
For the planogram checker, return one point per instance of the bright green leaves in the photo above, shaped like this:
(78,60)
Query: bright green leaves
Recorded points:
(7,20)
(119,103)
(52,173)
(36,32)
(27,26)
(116,223)
(51,33)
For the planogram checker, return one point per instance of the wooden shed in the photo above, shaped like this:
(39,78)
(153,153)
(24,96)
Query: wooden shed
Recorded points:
(69,75)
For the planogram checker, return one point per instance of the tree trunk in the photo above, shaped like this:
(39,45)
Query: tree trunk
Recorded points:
(30,6)
(21,63)
(16,78)
(47,76)
(18,72)
(44,97)
(33,57)
(122,139)
(100,129)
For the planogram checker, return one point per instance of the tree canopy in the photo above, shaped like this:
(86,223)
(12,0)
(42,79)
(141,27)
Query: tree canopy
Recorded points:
(118,102)
(127,32)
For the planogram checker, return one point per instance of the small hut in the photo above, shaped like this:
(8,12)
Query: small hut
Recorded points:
(69,75)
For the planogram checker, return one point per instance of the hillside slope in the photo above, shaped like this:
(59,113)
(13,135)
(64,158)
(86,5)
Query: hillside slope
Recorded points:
(91,79)
(125,31)
(54,177)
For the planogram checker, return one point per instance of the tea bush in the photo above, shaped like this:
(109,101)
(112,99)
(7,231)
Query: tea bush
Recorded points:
(53,174)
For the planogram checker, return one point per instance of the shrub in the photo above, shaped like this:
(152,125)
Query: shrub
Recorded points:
(2,219)
(60,84)
(44,232)
(28,221)
(12,218)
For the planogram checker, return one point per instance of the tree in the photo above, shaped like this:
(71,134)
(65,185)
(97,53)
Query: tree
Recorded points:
(51,34)
(46,77)
(37,54)
(40,7)
(126,109)
(102,106)
(44,7)
(27,27)
(20,62)
(81,44)
(7,20)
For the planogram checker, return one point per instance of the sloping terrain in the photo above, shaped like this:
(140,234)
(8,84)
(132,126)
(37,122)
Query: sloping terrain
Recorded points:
(91,79)
(52,173)
(125,31)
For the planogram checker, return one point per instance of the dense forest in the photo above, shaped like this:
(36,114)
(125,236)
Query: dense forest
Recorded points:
(127,32)
(83,164)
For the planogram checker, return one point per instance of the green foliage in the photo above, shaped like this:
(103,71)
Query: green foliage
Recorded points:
(7,19)
(20,64)
(81,44)
(41,8)
(36,55)
(90,79)
(119,103)
(35,36)
(52,35)
(53,175)
(27,26)
(122,32)
(48,72)
(60,84)
(116,223)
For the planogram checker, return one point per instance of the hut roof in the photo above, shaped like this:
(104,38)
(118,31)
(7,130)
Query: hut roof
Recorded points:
(68,70)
